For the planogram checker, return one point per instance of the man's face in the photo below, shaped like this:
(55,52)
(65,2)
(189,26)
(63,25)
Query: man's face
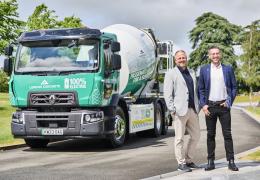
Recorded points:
(181,59)
(215,55)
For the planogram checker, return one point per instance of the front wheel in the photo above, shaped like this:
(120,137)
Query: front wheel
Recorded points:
(37,143)
(158,121)
(117,138)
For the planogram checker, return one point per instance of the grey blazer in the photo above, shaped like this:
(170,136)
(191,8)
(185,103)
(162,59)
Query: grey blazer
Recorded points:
(176,93)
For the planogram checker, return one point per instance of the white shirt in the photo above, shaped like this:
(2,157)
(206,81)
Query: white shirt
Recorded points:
(218,89)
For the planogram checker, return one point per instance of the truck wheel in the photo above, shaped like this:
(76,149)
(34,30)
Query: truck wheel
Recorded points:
(158,121)
(165,126)
(117,138)
(37,143)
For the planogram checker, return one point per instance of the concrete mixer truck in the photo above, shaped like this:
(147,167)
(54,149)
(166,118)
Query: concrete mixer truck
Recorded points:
(85,83)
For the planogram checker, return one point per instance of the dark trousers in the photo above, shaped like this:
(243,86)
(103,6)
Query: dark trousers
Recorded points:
(223,114)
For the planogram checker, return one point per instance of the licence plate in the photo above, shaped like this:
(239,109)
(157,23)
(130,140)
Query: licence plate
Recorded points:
(52,132)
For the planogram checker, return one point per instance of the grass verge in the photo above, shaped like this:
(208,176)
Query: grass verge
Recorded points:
(255,156)
(241,99)
(254,110)
(6,110)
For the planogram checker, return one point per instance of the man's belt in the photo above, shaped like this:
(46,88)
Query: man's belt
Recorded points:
(216,103)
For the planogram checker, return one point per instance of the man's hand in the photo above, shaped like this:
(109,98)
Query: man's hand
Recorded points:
(205,110)
(173,113)
(224,104)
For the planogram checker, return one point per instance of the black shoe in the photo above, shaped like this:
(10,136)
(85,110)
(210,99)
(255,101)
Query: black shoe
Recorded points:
(210,165)
(184,168)
(232,166)
(192,165)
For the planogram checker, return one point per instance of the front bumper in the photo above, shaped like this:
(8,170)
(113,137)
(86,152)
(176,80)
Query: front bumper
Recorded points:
(71,124)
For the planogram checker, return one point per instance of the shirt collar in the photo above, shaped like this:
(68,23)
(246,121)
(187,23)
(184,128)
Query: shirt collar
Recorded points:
(183,70)
(216,67)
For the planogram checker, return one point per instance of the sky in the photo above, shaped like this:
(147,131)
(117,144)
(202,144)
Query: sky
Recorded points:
(170,19)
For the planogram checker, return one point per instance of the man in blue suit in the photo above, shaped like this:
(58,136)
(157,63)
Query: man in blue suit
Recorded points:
(217,91)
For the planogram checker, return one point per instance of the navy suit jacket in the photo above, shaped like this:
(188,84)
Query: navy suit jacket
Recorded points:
(204,84)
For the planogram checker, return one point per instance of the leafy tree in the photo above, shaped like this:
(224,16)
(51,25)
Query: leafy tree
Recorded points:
(43,18)
(250,69)
(70,22)
(212,29)
(3,81)
(10,26)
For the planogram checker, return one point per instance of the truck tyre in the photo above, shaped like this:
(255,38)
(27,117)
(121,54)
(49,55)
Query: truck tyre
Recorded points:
(37,143)
(158,121)
(117,138)
(165,126)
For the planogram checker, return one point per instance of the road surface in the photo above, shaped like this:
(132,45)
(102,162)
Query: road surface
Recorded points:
(141,157)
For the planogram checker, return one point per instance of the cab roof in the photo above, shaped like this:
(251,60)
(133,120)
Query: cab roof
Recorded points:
(55,34)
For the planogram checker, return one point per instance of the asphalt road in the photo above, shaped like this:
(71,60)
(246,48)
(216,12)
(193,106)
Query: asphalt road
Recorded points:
(139,158)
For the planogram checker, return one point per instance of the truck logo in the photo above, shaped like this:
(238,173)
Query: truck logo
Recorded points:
(52,99)
(44,82)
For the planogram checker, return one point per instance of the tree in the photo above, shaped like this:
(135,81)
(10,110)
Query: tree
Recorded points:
(70,22)
(212,29)
(10,26)
(3,81)
(43,18)
(250,69)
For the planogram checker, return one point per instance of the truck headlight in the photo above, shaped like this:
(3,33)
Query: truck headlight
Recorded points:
(92,117)
(108,89)
(18,117)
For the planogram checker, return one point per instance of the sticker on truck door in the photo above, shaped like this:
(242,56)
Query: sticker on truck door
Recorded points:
(141,117)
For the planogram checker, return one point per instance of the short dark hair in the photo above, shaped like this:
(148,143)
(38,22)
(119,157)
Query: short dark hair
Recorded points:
(214,47)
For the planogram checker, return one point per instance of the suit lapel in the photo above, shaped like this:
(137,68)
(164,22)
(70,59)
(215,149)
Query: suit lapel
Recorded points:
(180,75)
(224,69)
(193,78)
(208,74)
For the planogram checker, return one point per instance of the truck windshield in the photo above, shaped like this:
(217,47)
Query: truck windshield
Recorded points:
(58,55)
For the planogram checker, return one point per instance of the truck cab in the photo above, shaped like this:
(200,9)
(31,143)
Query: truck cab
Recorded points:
(65,84)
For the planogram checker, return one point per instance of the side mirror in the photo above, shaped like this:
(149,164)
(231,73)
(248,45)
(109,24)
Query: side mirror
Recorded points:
(9,50)
(116,61)
(115,46)
(8,66)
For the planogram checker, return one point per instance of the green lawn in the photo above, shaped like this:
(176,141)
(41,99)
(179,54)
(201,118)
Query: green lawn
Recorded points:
(253,156)
(255,110)
(6,110)
(240,99)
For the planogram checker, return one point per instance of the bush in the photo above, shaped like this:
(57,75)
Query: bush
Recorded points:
(3,81)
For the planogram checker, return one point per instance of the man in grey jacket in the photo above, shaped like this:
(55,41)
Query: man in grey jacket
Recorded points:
(182,101)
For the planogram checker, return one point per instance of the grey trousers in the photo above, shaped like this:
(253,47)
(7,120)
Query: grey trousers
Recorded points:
(189,121)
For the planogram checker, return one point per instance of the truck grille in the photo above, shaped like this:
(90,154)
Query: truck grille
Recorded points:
(52,121)
(54,99)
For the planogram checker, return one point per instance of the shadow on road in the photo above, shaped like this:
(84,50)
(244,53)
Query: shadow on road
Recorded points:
(100,145)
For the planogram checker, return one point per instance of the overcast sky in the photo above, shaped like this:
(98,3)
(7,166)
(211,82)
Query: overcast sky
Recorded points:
(170,19)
